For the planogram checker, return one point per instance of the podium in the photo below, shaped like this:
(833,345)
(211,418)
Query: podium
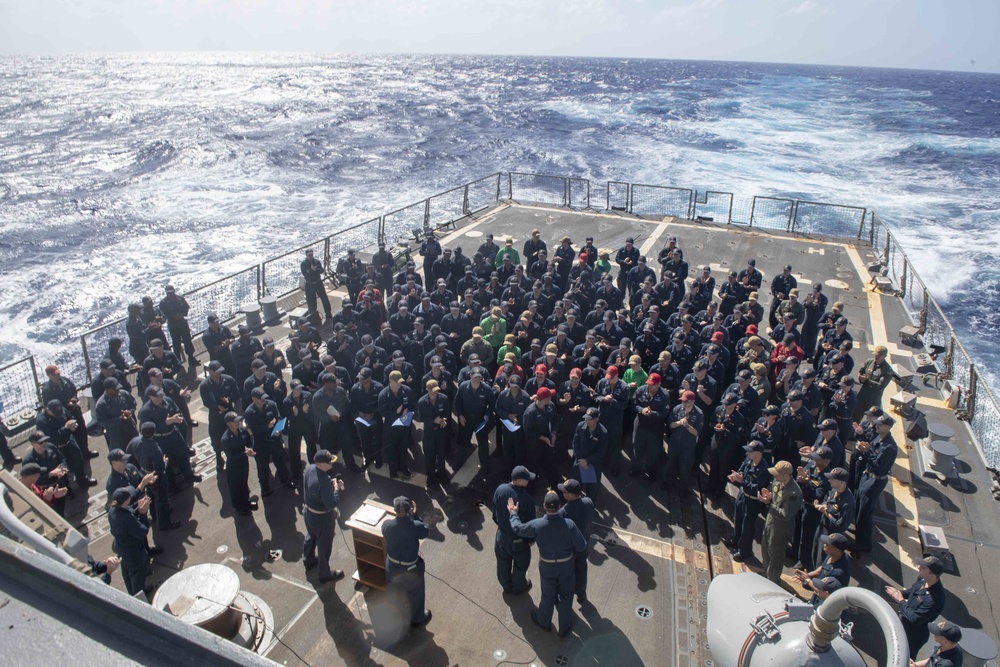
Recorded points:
(369,547)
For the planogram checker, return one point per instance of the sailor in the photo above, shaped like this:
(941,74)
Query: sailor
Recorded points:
(64,390)
(488,249)
(539,433)
(532,246)
(404,568)
(511,405)
(313,272)
(163,413)
(9,459)
(108,369)
(580,509)
(838,509)
(243,350)
(115,411)
(815,486)
(612,396)
(51,495)
(384,263)
(135,327)
(320,495)
(474,405)
(880,456)
(129,526)
(729,433)
(513,553)
(396,405)
(261,417)
(124,474)
(219,395)
(179,395)
(921,603)
(237,443)
(265,380)
(834,566)
(558,541)
(364,407)
(750,277)
(798,426)
(751,477)
(590,444)
(52,469)
(685,422)
(59,427)
(349,271)
(652,407)
(434,411)
(627,258)
(148,458)
(430,250)
(783,500)
(865,431)
(781,287)
(175,309)
(217,339)
(297,408)
(814,305)
(947,653)
(873,377)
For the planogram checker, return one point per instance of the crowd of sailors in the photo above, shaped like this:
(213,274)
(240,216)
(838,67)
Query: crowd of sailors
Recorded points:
(572,363)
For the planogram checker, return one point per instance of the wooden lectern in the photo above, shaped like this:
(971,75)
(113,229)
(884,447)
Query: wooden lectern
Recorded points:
(369,547)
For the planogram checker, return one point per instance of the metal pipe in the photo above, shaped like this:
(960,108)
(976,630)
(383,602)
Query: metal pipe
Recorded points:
(27,535)
(825,623)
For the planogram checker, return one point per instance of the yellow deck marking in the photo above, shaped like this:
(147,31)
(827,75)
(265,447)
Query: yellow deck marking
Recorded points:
(649,243)
(938,403)
(648,545)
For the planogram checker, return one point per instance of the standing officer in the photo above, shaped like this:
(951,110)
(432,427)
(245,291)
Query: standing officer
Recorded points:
(129,527)
(60,427)
(243,351)
(921,603)
(165,417)
(115,411)
(783,500)
(539,435)
(64,390)
(430,250)
(331,410)
(474,408)
(558,540)
(364,405)
(837,510)
(612,396)
(580,509)
(511,405)
(781,287)
(685,422)
(434,412)
(217,339)
(261,417)
(237,443)
(320,495)
(148,458)
(751,478)
(873,377)
(175,308)
(590,444)
(880,456)
(219,395)
(729,428)
(125,475)
(404,568)
(652,407)
(513,553)
(396,404)
(313,271)
(298,411)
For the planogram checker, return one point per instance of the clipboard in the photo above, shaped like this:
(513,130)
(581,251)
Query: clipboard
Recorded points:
(588,475)
(405,420)
(363,422)
(482,425)
(510,426)
(279,427)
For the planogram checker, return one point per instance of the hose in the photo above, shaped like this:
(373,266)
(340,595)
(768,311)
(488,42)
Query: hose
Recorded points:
(825,623)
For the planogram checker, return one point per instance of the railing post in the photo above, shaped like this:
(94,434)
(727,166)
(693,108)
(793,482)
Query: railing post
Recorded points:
(607,197)
(38,384)
(690,204)
(588,192)
(566,199)
(629,193)
(729,215)
(326,253)
(260,281)
(427,213)
(466,209)
(793,215)
(902,280)
(753,206)
(970,394)
(864,214)
(86,358)
(510,185)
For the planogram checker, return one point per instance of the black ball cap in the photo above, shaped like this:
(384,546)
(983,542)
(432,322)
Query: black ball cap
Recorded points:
(324,456)
(123,494)
(148,429)
(570,486)
(836,540)
(402,505)
(117,455)
(520,472)
(551,501)
(946,629)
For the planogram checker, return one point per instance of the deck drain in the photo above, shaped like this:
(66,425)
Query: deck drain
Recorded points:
(642,611)
(222,549)
(562,660)
(499,654)
(970,590)
(611,542)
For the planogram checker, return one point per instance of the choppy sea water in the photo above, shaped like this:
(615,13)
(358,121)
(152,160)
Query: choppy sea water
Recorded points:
(121,173)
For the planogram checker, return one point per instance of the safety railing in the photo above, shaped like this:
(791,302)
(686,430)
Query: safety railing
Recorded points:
(21,395)
(715,205)
(358,237)
(658,201)
(538,188)
(810,217)
(95,342)
(771,213)
(281,275)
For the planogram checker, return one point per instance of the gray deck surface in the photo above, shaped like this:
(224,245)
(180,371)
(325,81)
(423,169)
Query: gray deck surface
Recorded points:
(649,548)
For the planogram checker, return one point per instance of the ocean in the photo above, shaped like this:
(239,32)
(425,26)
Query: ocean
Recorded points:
(119,174)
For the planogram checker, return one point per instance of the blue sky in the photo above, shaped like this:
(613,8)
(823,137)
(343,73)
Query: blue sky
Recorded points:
(956,35)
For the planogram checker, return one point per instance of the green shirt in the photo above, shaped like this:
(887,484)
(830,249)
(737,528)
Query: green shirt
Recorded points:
(494,333)
(630,376)
(514,257)
(513,349)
